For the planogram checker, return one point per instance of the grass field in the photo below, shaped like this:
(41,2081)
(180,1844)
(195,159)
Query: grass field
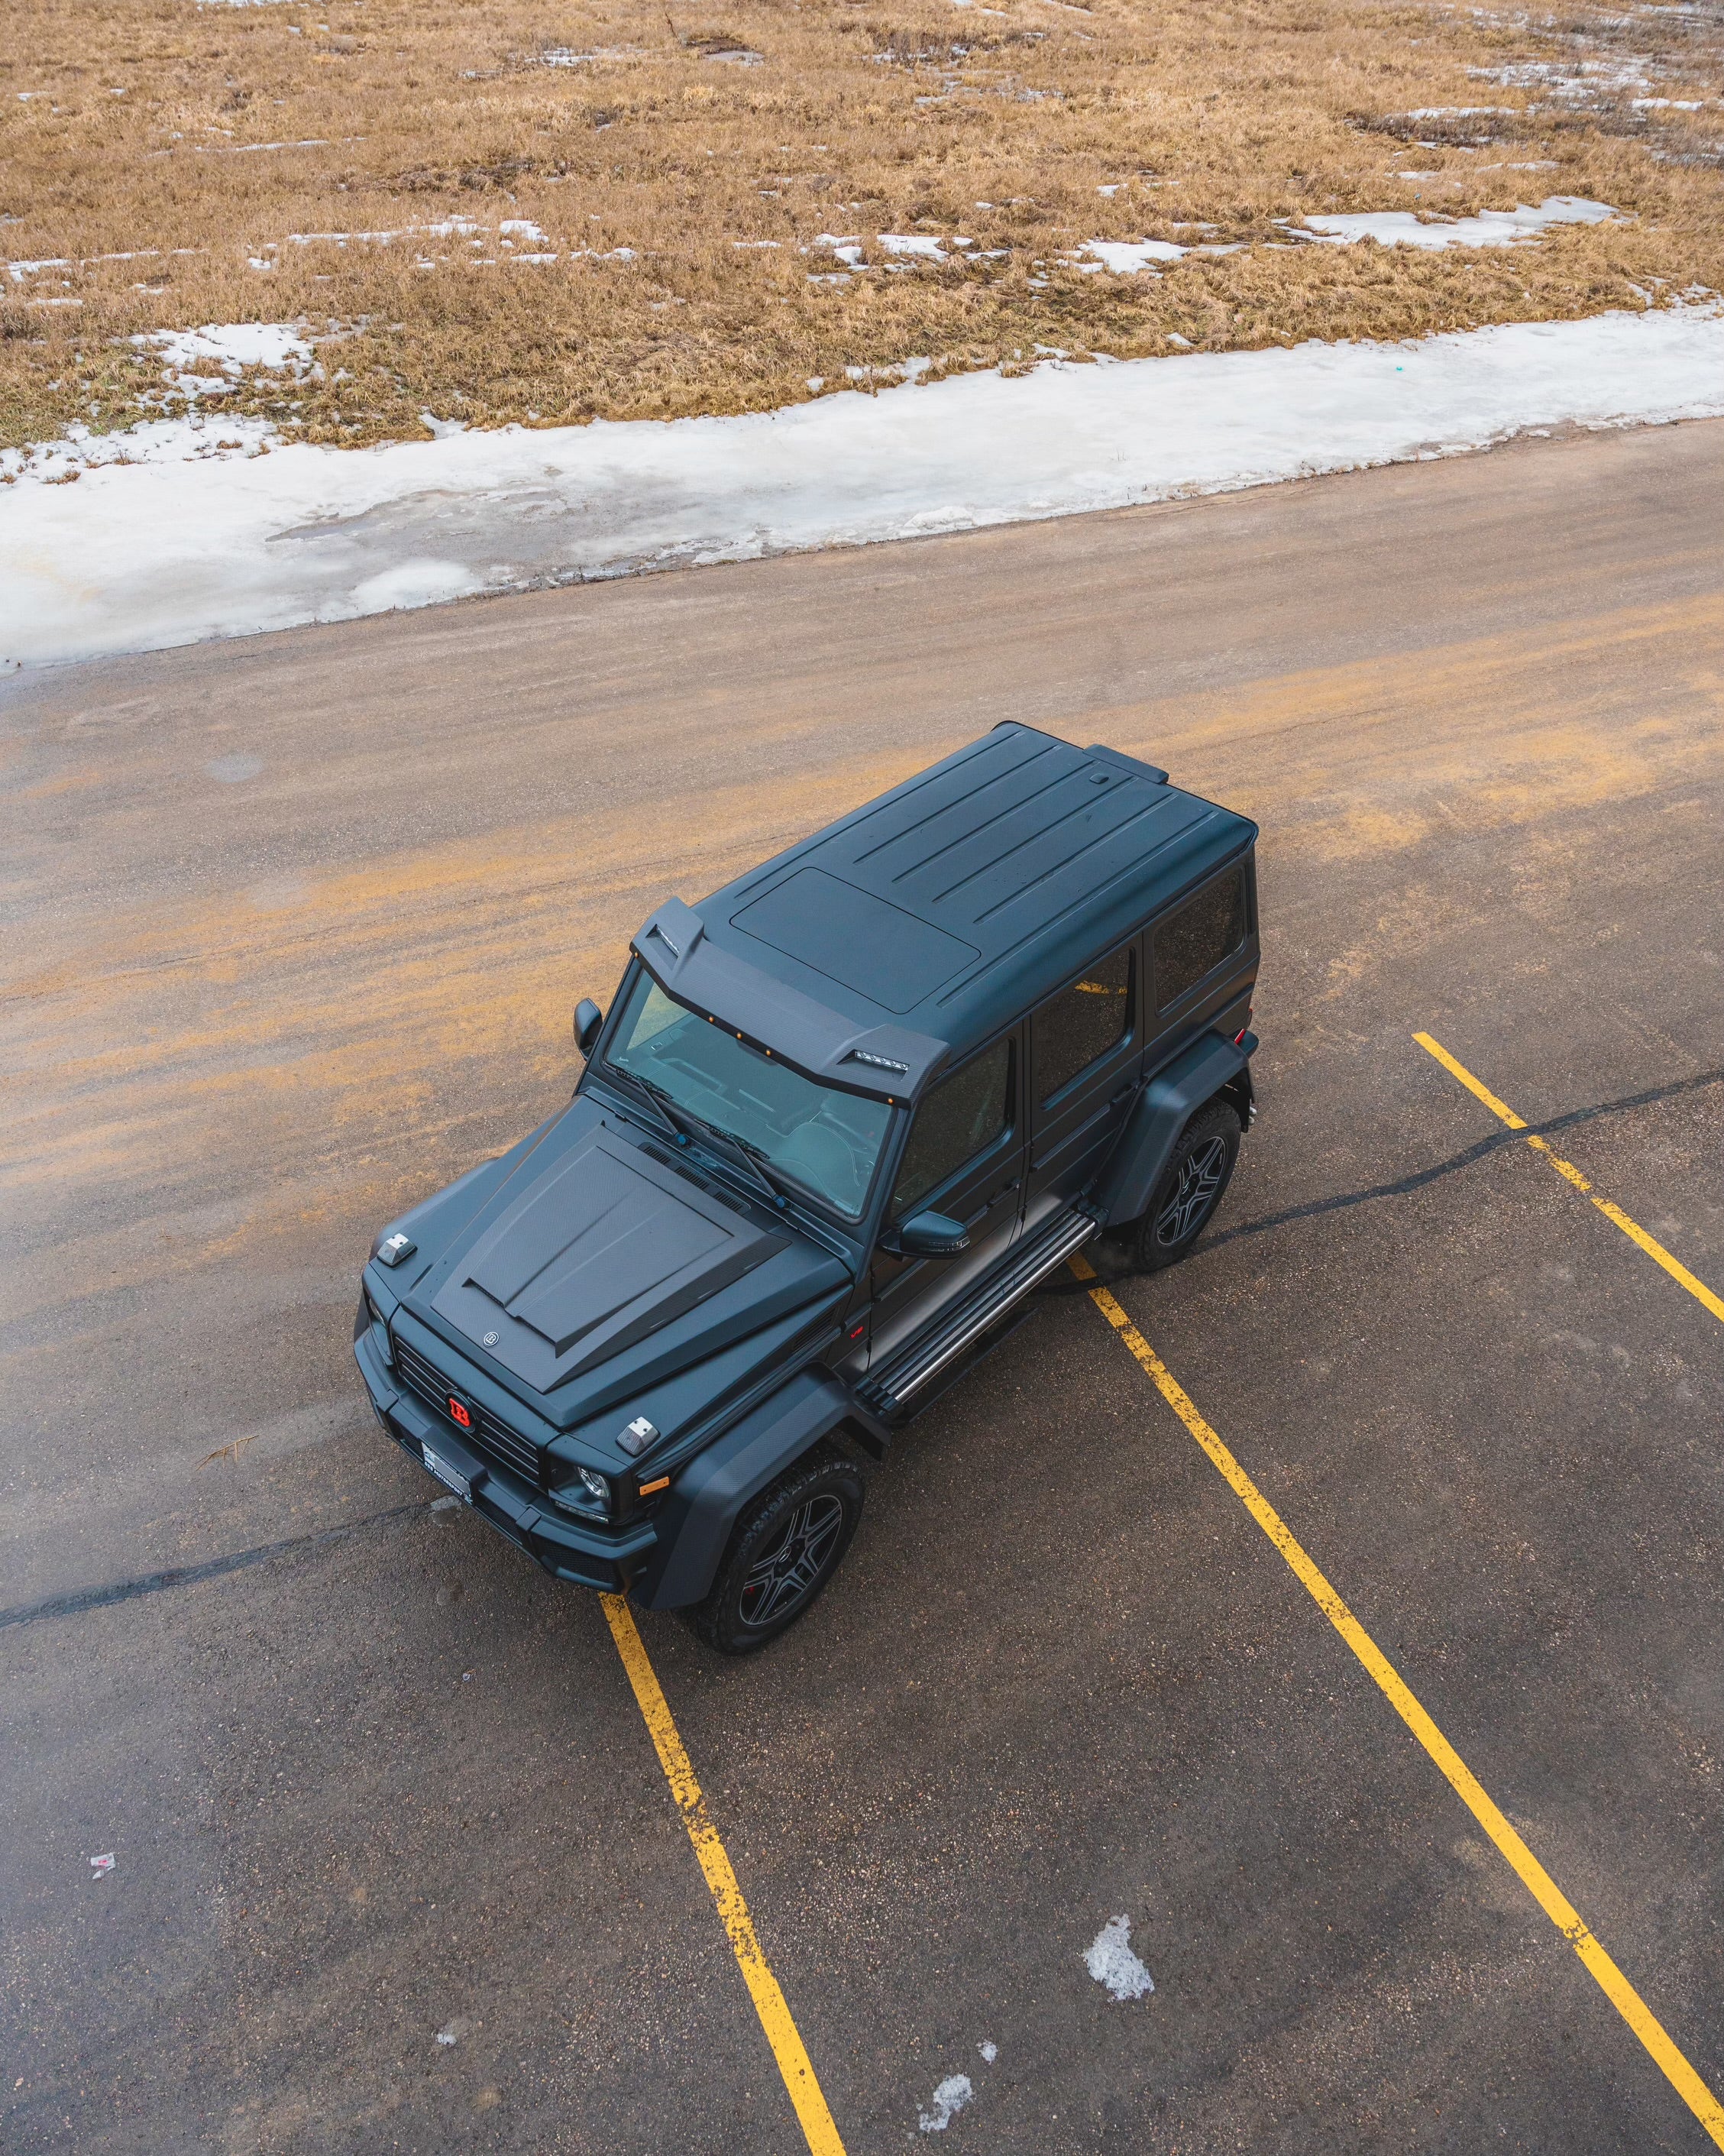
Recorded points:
(497,211)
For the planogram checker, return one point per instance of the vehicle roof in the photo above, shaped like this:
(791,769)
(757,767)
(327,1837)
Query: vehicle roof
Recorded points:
(936,914)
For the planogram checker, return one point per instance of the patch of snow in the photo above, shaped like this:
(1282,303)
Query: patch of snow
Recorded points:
(231,345)
(947,2101)
(523,227)
(847,248)
(910,243)
(17,271)
(989,2052)
(561,56)
(1126,257)
(251,149)
(1111,1961)
(201,540)
(1490,227)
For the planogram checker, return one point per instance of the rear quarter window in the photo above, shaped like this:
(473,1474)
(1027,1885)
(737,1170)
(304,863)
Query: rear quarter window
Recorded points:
(1195,937)
(1082,1023)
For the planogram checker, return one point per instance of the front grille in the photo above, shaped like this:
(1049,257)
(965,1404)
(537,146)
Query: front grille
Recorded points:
(488,1436)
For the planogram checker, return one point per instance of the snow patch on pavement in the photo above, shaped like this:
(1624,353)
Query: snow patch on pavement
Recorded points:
(947,2101)
(206,529)
(1111,1961)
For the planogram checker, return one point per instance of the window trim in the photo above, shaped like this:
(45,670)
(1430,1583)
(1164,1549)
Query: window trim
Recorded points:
(1166,1011)
(1132,946)
(1011,1131)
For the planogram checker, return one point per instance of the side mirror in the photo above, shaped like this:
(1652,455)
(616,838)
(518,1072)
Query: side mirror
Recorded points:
(932,1235)
(589,1020)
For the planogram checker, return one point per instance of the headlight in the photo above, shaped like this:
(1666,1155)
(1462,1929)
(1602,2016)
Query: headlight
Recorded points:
(587,1492)
(371,1304)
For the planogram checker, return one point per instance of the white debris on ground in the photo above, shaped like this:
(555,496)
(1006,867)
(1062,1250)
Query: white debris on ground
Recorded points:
(1490,227)
(1111,1961)
(169,550)
(947,2101)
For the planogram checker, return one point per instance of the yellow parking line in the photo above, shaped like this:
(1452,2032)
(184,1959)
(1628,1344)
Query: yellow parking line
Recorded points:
(1636,1233)
(1532,1874)
(822,2135)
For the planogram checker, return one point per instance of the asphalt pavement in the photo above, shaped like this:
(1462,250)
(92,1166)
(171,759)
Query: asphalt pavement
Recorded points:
(295,925)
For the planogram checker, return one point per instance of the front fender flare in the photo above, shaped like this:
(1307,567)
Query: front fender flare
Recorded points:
(1160,1112)
(701,1505)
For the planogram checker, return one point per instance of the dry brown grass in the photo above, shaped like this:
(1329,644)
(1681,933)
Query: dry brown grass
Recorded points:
(860,117)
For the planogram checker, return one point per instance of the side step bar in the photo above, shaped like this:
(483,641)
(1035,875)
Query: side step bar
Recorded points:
(885,1391)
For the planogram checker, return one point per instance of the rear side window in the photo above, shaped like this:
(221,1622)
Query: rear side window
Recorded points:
(963,1115)
(1082,1023)
(1194,940)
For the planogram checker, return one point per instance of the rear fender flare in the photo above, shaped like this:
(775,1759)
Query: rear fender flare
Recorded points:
(1212,1066)
(701,1505)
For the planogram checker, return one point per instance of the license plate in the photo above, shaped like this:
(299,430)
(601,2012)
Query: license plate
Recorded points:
(444,1473)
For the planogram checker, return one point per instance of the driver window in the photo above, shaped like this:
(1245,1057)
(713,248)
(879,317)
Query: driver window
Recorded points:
(964,1114)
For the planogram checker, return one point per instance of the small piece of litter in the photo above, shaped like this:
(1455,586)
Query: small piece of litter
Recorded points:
(947,2101)
(102,1866)
(466,1676)
(990,2052)
(445,2035)
(1111,1961)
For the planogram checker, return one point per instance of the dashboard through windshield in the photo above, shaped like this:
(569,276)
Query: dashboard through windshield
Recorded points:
(812,1137)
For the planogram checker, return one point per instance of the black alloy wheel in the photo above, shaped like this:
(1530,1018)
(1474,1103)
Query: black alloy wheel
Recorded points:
(1191,1187)
(785,1548)
(782,1578)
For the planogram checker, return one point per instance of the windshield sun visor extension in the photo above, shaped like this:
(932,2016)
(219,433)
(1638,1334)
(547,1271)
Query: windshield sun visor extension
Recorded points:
(889,1062)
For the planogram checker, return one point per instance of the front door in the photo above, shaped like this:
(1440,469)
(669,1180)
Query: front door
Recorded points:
(964,1157)
(1086,1053)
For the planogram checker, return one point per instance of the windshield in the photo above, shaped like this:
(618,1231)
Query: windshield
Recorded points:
(822,1140)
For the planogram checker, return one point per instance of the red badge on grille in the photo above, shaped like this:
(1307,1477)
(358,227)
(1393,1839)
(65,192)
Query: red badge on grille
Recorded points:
(462,1414)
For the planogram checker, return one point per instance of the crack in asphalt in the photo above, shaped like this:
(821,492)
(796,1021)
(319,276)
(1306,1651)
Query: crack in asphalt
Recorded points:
(74,1603)
(184,1575)
(1404,1185)
(1497,1139)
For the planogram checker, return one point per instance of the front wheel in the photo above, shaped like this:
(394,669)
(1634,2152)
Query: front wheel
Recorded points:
(1192,1186)
(786,1547)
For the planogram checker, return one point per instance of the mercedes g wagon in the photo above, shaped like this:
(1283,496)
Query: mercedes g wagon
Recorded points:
(841,1119)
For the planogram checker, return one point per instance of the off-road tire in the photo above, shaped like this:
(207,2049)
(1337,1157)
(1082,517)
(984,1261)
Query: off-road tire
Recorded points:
(786,1546)
(1193,1185)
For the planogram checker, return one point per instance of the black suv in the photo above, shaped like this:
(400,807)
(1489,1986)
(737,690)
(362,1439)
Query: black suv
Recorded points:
(842,1116)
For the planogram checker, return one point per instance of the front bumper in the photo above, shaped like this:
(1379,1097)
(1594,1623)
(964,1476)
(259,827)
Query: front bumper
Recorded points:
(589,1557)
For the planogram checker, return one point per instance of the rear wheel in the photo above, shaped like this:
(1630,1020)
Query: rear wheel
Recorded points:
(785,1548)
(1191,1187)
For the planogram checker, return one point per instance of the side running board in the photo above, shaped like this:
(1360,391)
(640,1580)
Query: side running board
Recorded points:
(885,1391)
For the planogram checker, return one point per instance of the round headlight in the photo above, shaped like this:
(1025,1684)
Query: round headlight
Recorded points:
(586,1491)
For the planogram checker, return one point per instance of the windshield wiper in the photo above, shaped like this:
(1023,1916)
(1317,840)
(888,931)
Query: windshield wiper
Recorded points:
(760,1161)
(680,1118)
(656,1098)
